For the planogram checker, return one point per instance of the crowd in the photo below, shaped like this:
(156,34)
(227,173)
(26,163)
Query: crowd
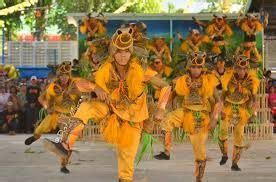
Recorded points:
(19,105)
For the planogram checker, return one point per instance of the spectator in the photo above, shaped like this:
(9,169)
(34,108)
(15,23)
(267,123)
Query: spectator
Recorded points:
(22,94)
(10,118)
(32,107)
(4,98)
(33,91)
(31,116)
(14,98)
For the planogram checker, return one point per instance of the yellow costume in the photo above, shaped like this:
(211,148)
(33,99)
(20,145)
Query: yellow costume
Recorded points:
(217,31)
(193,117)
(238,97)
(61,101)
(93,27)
(160,49)
(122,118)
(194,42)
(57,100)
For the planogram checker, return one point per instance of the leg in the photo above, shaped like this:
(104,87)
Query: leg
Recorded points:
(48,124)
(87,110)
(223,134)
(238,146)
(172,120)
(198,142)
(126,154)
(238,138)
(223,141)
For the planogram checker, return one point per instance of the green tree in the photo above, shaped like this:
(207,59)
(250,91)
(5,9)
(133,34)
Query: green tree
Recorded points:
(12,21)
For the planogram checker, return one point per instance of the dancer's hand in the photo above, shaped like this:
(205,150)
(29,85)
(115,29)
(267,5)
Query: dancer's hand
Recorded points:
(101,94)
(159,114)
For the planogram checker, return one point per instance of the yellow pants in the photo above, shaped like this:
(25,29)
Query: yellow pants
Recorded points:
(49,123)
(176,119)
(125,154)
(238,128)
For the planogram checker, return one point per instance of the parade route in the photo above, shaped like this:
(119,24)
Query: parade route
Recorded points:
(96,162)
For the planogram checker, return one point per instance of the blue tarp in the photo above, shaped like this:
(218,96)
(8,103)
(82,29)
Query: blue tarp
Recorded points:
(40,72)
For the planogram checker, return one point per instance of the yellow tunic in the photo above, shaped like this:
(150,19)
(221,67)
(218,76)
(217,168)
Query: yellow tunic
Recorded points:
(60,101)
(186,45)
(238,97)
(127,96)
(164,52)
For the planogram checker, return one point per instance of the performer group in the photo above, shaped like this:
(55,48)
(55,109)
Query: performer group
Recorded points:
(132,88)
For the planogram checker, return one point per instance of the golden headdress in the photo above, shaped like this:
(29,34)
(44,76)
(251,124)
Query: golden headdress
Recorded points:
(241,61)
(122,40)
(196,59)
(64,68)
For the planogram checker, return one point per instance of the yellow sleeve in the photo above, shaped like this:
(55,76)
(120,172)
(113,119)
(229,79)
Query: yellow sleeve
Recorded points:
(245,27)
(180,86)
(212,82)
(184,47)
(228,30)
(210,29)
(149,73)
(205,39)
(102,76)
(225,79)
(254,81)
(135,79)
(259,26)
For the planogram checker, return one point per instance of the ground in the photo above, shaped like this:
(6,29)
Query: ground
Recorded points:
(96,162)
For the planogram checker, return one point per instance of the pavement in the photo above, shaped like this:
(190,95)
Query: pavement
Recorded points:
(96,162)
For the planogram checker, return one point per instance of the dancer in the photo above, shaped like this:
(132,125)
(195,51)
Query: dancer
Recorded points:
(59,98)
(121,106)
(240,87)
(197,87)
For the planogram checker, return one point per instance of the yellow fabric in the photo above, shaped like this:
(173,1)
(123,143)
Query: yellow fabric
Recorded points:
(182,118)
(166,54)
(92,110)
(245,27)
(74,135)
(49,123)
(209,83)
(211,29)
(126,155)
(185,47)
(238,128)
(110,131)
(252,79)
(135,109)
(58,100)
(198,142)
(216,49)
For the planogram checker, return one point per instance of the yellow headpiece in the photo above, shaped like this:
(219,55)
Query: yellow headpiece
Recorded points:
(241,61)
(64,68)
(122,40)
(196,59)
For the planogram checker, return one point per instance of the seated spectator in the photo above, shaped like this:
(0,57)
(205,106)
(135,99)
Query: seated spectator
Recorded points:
(4,98)
(22,94)
(14,98)
(10,118)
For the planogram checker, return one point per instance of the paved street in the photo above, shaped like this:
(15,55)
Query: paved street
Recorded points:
(96,162)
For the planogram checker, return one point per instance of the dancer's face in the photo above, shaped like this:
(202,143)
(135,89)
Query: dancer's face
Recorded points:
(122,57)
(158,63)
(195,71)
(241,72)
(64,79)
